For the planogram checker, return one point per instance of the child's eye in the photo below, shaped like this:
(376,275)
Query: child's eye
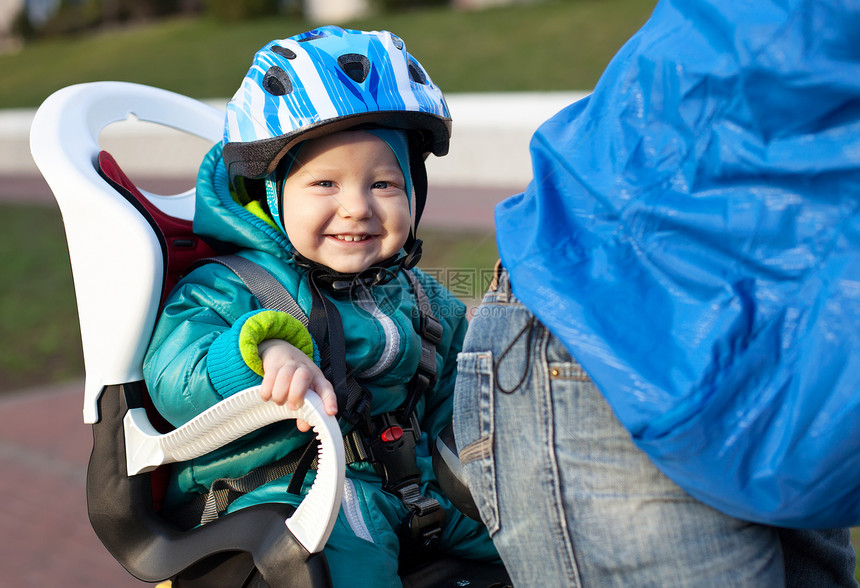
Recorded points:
(387,185)
(324,183)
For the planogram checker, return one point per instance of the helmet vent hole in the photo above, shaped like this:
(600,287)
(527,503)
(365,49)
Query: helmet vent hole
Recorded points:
(355,66)
(416,74)
(313,36)
(283,52)
(277,82)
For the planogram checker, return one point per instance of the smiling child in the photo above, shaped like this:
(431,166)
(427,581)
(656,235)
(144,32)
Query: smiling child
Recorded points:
(320,180)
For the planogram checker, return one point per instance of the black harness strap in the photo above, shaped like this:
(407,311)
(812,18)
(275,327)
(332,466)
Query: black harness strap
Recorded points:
(352,399)
(395,459)
(430,330)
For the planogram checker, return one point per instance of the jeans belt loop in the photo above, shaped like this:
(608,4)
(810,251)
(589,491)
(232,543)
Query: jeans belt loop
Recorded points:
(497,272)
(503,287)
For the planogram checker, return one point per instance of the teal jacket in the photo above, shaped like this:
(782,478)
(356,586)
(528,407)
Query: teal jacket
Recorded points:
(194,359)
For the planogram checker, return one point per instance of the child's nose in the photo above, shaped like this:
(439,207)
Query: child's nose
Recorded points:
(355,204)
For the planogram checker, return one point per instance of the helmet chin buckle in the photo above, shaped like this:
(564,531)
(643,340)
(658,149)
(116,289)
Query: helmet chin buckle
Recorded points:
(377,274)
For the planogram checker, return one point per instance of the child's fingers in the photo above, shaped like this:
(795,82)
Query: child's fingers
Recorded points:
(282,382)
(289,382)
(267,387)
(298,390)
(326,392)
(299,385)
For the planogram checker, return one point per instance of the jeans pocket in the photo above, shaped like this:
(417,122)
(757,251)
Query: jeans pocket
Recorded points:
(473,431)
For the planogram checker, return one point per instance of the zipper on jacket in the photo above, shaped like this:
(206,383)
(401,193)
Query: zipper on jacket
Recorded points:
(392,335)
(352,511)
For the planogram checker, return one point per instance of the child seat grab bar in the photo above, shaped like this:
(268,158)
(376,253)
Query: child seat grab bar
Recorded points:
(232,418)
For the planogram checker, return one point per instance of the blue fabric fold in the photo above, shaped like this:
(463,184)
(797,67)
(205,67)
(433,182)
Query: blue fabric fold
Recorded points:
(692,234)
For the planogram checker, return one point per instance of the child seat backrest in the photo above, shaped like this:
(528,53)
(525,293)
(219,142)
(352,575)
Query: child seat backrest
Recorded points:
(117,261)
(127,248)
(180,246)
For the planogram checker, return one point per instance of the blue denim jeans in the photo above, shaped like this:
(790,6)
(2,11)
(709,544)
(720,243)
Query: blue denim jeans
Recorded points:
(568,498)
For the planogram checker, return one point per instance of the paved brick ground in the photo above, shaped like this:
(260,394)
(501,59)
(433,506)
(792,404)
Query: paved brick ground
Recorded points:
(45,536)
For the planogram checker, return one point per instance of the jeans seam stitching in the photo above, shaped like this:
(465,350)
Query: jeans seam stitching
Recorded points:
(558,495)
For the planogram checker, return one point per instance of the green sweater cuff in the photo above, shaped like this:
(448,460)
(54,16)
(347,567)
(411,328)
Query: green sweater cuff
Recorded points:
(234,363)
(273,324)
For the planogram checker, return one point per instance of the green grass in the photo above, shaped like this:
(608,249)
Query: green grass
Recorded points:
(39,336)
(855,541)
(553,45)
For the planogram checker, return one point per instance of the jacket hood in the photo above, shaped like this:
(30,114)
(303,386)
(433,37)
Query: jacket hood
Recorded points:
(221,214)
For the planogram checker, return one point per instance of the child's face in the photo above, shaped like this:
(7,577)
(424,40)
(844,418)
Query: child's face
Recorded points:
(344,201)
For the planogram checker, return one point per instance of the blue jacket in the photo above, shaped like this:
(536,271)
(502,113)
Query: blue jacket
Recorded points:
(194,361)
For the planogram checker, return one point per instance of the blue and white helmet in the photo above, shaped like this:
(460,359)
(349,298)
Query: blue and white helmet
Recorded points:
(326,80)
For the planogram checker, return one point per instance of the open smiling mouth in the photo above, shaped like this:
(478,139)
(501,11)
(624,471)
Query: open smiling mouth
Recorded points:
(351,238)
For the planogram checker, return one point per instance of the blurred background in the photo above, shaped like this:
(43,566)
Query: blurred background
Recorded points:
(505,66)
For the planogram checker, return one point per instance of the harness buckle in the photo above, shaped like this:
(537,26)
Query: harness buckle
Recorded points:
(391,448)
(421,530)
(391,434)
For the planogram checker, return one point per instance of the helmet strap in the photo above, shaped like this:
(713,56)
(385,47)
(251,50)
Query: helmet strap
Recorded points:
(419,179)
(379,273)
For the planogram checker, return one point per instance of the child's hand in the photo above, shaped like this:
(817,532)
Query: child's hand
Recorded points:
(289,374)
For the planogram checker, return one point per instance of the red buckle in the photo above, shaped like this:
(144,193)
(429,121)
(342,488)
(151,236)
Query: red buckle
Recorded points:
(391,434)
